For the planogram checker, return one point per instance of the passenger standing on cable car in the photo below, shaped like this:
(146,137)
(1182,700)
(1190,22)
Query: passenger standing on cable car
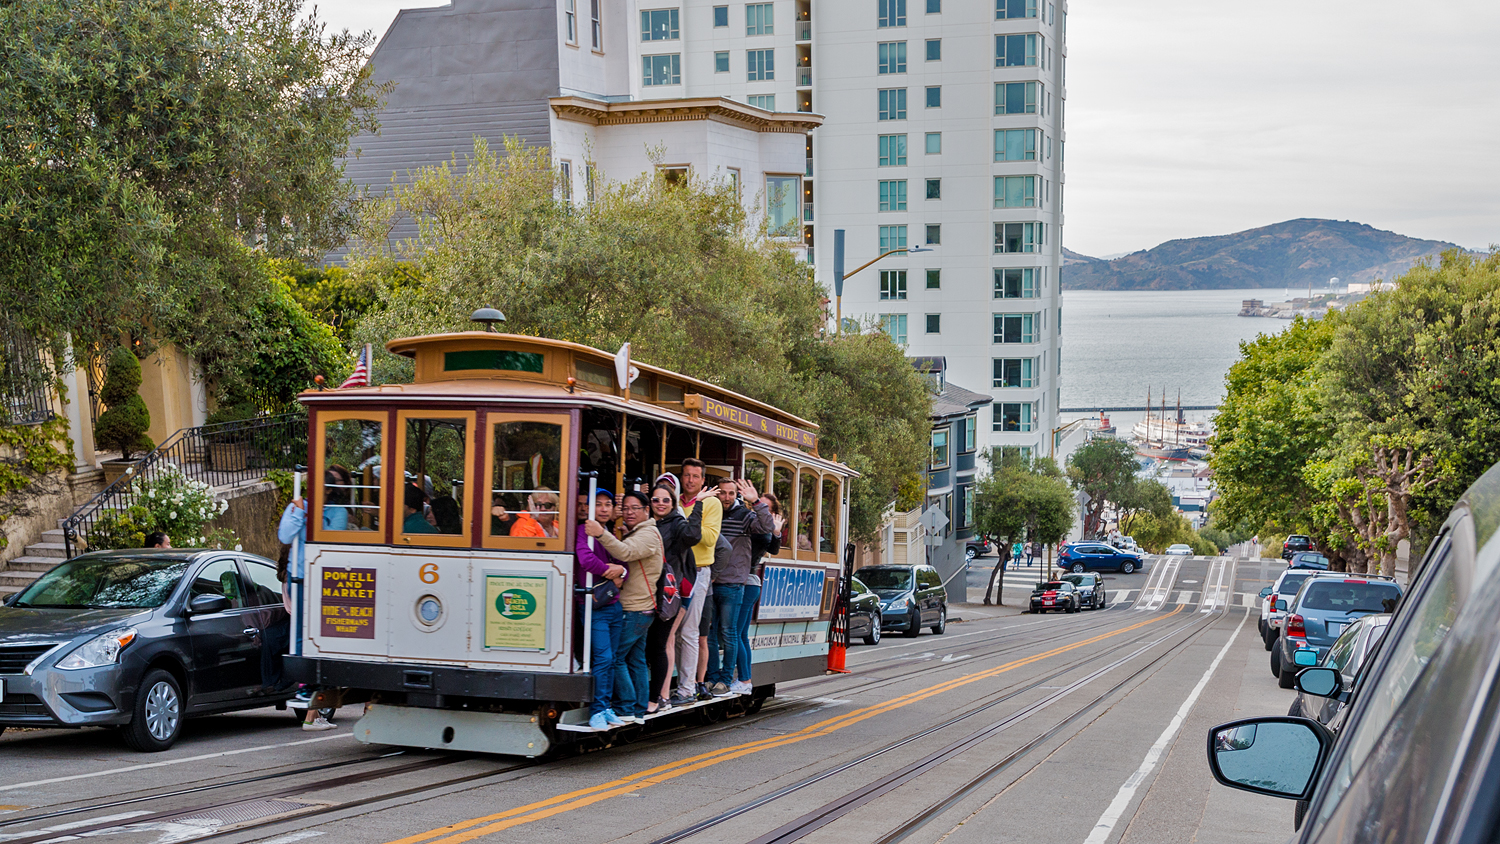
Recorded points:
(608,616)
(740,525)
(761,544)
(678,536)
(641,553)
(690,666)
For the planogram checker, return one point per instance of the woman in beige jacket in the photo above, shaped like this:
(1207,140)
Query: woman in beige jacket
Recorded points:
(640,552)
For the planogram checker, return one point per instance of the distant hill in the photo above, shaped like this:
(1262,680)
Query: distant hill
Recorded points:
(1289,254)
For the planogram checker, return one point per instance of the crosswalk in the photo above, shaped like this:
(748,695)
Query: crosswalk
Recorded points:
(1185,596)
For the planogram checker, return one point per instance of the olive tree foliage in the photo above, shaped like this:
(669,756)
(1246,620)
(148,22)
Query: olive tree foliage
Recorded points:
(677,270)
(1104,468)
(154,150)
(1021,500)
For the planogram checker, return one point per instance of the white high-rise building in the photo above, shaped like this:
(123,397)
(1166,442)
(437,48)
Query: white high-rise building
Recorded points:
(902,122)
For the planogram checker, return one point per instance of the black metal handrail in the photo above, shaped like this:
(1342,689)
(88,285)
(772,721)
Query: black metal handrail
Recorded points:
(227,454)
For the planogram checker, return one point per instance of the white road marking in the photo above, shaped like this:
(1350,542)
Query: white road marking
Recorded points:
(64,827)
(955,658)
(1159,585)
(293,836)
(1127,791)
(113,771)
(1216,587)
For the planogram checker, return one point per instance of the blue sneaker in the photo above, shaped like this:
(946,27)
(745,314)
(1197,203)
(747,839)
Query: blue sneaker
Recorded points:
(611,718)
(599,722)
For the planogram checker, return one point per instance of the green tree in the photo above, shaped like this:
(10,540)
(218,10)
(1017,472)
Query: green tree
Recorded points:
(677,270)
(1021,500)
(123,426)
(1104,468)
(153,150)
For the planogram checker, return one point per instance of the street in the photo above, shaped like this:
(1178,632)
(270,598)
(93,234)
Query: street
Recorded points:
(1010,727)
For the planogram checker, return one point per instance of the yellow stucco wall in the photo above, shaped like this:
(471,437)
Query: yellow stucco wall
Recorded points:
(168,389)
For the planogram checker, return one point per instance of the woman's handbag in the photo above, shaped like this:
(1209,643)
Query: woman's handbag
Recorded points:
(605,593)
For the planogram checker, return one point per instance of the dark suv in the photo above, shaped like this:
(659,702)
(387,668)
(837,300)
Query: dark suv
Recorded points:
(911,597)
(1294,543)
(1417,757)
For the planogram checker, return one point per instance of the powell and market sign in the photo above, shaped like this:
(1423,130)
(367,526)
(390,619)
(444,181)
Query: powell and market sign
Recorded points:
(741,418)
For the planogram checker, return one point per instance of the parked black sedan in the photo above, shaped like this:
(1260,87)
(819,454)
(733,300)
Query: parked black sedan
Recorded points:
(140,639)
(1054,595)
(864,613)
(1090,588)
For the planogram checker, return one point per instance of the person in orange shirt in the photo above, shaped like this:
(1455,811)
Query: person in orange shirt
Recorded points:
(541,517)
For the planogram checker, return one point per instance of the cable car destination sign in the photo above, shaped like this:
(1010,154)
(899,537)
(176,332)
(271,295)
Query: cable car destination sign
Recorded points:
(741,418)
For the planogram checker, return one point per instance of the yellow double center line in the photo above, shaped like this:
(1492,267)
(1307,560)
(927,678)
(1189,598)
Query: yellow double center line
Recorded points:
(477,827)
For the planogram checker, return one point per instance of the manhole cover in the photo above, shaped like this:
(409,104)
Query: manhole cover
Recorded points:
(238,813)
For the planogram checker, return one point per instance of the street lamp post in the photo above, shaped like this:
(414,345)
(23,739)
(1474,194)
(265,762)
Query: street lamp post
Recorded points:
(839,275)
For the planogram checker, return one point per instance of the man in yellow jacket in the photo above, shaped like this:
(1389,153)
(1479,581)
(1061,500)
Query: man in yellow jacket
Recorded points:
(692,657)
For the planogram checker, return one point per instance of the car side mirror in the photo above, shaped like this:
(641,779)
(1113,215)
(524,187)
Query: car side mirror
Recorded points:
(1279,756)
(1305,657)
(1320,682)
(206,604)
(1281,605)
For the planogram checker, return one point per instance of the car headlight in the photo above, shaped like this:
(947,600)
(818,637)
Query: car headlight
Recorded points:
(100,650)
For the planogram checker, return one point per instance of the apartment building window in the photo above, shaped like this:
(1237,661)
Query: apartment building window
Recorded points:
(721,16)
(934,7)
(894,325)
(934,49)
(934,191)
(935,279)
(1051,14)
(971,428)
(890,13)
(1016,283)
(783,198)
(934,143)
(1015,144)
(760,65)
(1008,9)
(1059,320)
(891,57)
(570,19)
(1015,328)
(1019,237)
(661,70)
(934,323)
(565,180)
(892,150)
(1016,50)
(659,25)
(892,103)
(758,19)
(934,234)
(596,25)
(721,62)
(939,458)
(893,195)
(1015,191)
(892,237)
(1014,372)
(893,285)
(765,101)
(1016,97)
(1015,416)
(934,96)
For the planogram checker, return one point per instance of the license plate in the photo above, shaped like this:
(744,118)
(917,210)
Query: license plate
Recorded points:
(2,691)
(1048,603)
(1335,627)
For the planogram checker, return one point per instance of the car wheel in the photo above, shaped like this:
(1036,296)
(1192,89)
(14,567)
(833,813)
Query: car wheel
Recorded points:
(1127,567)
(1298,814)
(873,638)
(156,718)
(1260,624)
(1078,568)
(1295,710)
(914,624)
(1276,662)
(1270,638)
(1287,678)
(942,622)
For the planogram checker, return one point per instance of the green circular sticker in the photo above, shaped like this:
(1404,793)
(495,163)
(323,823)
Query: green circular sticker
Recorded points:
(515,603)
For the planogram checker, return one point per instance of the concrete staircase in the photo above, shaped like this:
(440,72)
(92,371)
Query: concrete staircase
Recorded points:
(39,557)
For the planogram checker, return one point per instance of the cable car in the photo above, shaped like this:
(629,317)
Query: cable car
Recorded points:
(455,623)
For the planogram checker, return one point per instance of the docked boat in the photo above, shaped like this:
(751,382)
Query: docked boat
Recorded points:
(1173,437)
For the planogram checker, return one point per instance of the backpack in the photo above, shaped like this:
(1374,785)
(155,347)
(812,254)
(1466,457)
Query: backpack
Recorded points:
(668,599)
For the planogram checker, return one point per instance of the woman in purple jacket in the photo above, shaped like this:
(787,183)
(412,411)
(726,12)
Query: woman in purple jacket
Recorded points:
(605,634)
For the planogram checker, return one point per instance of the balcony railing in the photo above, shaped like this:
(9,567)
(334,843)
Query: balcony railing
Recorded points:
(804,30)
(807,212)
(229,454)
(804,77)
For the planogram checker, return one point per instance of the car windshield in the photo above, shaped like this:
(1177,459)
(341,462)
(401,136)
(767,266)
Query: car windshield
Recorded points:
(1054,586)
(106,583)
(886,580)
(1350,596)
(1311,559)
(1291,583)
(1077,579)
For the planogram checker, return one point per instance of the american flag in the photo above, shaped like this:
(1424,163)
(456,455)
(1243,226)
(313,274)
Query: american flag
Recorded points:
(361,375)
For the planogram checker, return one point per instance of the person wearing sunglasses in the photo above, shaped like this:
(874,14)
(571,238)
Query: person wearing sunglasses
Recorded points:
(679,534)
(640,552)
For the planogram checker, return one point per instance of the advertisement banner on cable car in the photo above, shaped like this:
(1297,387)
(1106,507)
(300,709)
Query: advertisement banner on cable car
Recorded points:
(515,612)
(791,593)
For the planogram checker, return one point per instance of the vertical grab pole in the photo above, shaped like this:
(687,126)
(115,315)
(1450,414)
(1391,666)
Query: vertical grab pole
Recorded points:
(298,575)
(588,601)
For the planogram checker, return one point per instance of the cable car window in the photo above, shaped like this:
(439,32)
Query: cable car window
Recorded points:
(348,496)
(755,473)
(436,468)
(782,484)
(829,534)
(807,511)
(524,480)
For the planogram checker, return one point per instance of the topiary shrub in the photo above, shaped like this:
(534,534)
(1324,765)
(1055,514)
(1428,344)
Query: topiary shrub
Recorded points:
(124,425)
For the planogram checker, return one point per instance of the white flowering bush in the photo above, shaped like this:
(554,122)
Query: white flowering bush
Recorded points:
(169,502)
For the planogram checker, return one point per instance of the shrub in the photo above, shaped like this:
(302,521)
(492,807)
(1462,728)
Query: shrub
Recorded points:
(123,426)
(171,503)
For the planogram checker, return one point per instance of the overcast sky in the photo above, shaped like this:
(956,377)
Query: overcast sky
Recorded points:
(1196,117)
